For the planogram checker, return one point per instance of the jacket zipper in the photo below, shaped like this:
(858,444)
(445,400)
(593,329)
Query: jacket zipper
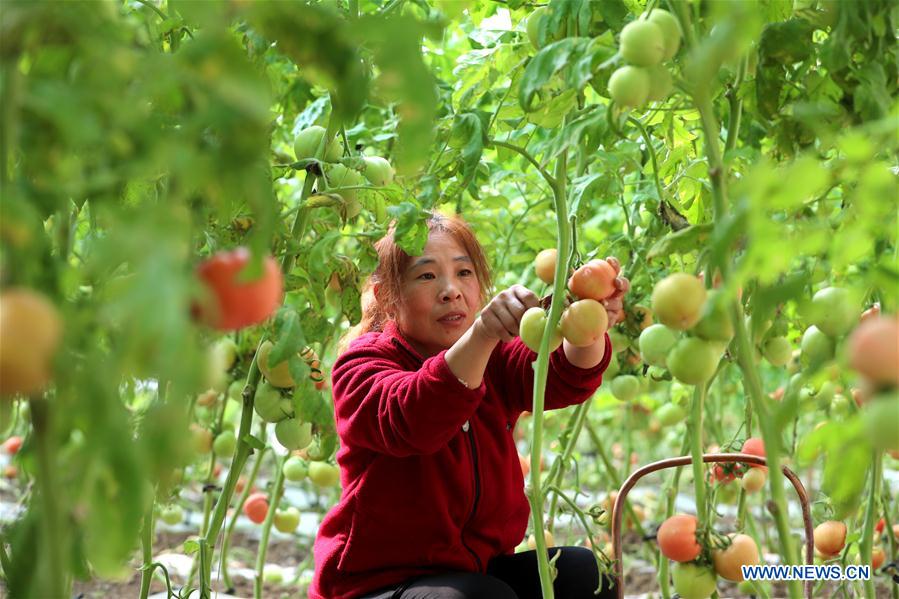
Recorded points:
(477,490)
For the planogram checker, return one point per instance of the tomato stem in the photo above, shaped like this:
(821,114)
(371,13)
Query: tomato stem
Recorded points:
(273,500)
(146,540)
(867,540)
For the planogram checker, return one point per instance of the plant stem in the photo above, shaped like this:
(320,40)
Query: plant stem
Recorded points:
(699,483)
(146,540)
(550,179)
(541,367)
(226,543)
(867,540)
(52,580)
(580,413)
(274,498)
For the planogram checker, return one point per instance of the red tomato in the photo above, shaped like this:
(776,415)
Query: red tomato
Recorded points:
(235,304)
(755,446)
(594,280)
(256,507)
(677,538)
(878,556)
(10,472)
(12,445)
(878,528)
(741,552)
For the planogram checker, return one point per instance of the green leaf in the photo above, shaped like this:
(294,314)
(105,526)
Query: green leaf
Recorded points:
(548,61)
(684,241)
(467,135)
(786,43)
(253,441)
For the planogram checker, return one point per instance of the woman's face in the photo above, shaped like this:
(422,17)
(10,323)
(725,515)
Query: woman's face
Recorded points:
(441,296)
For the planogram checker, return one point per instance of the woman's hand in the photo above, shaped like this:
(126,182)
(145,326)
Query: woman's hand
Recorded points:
(500,318)
(614,304)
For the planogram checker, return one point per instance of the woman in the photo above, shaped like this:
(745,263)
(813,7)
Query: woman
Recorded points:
(426,399)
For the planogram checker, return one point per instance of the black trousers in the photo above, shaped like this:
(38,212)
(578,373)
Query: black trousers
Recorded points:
(509,577)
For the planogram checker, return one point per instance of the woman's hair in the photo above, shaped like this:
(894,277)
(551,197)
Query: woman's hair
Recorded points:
(392,265)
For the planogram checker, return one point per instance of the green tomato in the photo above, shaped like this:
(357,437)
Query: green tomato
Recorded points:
(340,176)
(308,140)
(693,361)
(671,31)
(642,43)
(620,341)
(269,404)
(778,351)
(655,342)
(881,419)
(692,581)
(670,414)
(629,86)
(293,434)
(660,86)
(833,311)
(817,347)
(715,323)
(225,443)
(625,387)
(531,329)
(378,171)
(613,369)
(295,469)
(172,514)
(533,28)
(286,521)
(323,474)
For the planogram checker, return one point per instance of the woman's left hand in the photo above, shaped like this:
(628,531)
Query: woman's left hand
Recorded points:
(614,304)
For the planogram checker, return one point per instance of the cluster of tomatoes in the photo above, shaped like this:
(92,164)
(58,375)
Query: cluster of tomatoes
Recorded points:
(644,45)
(583,321)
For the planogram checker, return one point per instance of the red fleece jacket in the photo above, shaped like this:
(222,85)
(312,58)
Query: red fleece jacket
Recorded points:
(429,469)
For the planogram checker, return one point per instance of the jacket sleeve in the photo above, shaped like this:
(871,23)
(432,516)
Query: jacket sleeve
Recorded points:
(566,384)
(386,409)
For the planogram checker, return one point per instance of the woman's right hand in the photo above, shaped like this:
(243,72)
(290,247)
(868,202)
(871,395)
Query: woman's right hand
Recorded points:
(501,316)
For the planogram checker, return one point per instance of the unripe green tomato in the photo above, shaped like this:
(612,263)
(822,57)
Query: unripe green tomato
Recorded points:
(533,28)
(817,347)
(235,391)
(655,342)
(620,341)
(272,574)
(833,311)
(670,414)
(678,300)
(293,434)
(269,404)
(323,474)
(625,387)
(531,327)
(308,140)
(642,43)
(693,361)
(778,351)
(378,171)
(692,581)
(172,514)
(660,86)
(225,443)
(715,323)
(881,419)
(340,176)
(612,370)
(224,353)
(671,31)
(840,406)
(824,395)
(629,86)
(286,521)
(295,469)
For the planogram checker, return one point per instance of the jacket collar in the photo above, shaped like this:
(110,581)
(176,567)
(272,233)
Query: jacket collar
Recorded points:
(392,331)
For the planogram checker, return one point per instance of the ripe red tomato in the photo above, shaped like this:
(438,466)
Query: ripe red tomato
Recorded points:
(594,280)
(877,557)
(235,304)
(830,537)
(878,528)
(545,265)
(755,446)
(256,507)
(12,445)
(677,538)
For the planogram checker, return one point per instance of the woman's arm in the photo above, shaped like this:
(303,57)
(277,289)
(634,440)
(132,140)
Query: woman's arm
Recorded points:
(468,357)
(587,356)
